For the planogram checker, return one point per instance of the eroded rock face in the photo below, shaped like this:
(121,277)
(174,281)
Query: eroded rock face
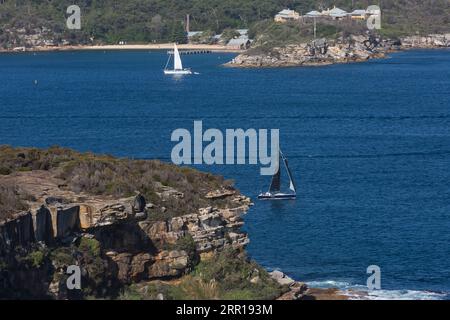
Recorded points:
(211,228)
(169,264)
(67,221)
(132,268)
(17,231)
(43,225)
(132,248)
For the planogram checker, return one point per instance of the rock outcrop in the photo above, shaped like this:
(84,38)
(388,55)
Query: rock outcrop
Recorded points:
(321,52)
(17,231)
(133,245)
(211,228)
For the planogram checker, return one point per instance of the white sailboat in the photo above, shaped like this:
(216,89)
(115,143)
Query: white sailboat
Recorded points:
(177,64)
(274,192)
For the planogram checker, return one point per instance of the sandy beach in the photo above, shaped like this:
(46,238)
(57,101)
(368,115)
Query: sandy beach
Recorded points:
(159,46)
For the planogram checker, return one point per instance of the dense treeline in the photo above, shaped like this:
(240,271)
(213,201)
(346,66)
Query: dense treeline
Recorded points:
(110,21)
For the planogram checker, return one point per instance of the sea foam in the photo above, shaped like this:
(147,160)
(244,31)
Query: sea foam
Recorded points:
(360,292)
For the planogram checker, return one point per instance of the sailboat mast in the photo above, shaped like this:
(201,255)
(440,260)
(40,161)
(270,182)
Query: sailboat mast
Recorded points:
(167,63)
(275,184)
(291,179)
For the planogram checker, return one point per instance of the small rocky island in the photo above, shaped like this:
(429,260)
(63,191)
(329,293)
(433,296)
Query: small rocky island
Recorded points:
(137,230)
(356,48)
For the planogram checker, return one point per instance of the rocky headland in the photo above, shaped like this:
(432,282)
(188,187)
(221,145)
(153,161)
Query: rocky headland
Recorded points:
(325,52)
(137,230)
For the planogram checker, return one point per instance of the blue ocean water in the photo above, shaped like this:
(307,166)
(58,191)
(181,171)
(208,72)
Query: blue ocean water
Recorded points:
(368,143)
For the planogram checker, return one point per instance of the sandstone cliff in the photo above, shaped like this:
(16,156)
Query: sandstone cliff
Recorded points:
(139,248)
(115,240)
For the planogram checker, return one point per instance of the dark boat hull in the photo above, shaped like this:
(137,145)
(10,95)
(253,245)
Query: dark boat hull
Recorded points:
(277,197)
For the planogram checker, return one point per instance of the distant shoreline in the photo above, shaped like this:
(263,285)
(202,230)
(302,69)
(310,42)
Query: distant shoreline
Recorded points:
(161,46)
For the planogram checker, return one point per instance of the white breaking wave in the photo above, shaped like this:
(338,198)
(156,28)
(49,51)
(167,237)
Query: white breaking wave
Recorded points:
(405,295)
(360,292)
(342,285)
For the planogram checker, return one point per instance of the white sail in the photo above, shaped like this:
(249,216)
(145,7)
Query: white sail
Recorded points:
(291,179)
(292,187)
(177,65)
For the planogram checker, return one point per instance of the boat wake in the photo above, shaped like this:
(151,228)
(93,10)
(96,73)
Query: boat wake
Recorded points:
(360,292)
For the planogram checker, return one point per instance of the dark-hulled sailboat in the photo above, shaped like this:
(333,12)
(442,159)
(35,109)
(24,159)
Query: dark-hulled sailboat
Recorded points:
(274,192)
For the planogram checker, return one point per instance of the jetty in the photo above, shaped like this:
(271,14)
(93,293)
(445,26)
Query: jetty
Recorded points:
(191,51)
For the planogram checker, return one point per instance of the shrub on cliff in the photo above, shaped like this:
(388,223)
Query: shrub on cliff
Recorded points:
(10,200)
(90,246)
(196,288)
(36,258)
(106,175)
(237,277)
(226,275)
(187,244)
(99,275)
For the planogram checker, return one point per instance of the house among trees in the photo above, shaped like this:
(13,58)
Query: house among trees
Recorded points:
(313,14)
(240,40)
(336,13)
(358,15)
(194,36)
(241,43)
(339,14)
(286,15)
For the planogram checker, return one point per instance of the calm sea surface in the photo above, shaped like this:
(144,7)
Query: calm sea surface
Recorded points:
(369,146)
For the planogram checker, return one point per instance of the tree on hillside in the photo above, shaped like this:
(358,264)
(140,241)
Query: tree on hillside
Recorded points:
(177,34)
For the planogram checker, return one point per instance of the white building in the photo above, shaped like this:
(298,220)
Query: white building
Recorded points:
(358,14)
(241,43)
(337,13)
(313,14)
(286,15)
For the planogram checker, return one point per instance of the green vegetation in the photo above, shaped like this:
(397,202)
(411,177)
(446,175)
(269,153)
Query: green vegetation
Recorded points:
(195,288)
(63,256)
(178,34)
(98,278)
(106,175)
(131,293)
(187,244)
(237,276)
(90,246)
(227,275)
(36,258)
(10,200)
(109,21)
(270,34)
